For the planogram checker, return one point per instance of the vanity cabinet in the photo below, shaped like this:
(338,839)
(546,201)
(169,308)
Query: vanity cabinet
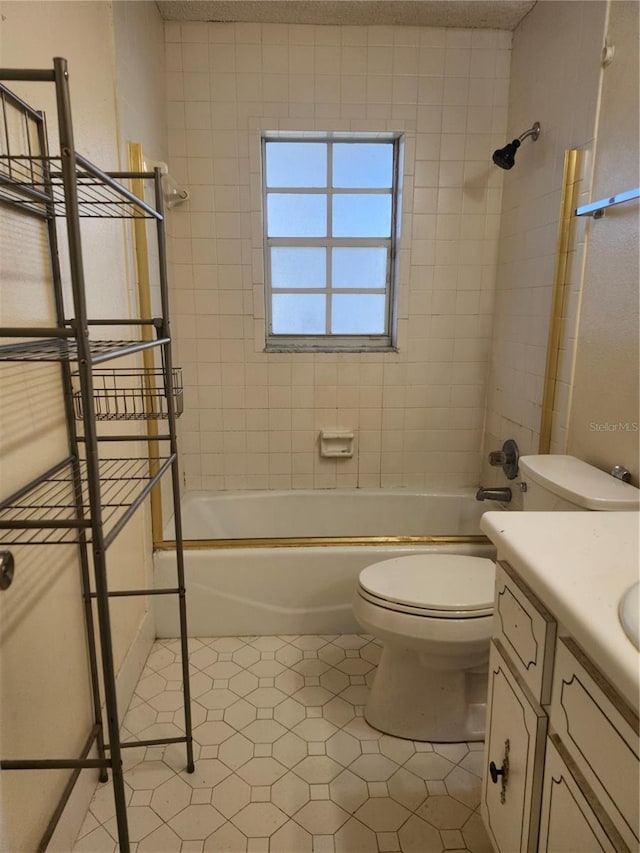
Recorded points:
(561,754)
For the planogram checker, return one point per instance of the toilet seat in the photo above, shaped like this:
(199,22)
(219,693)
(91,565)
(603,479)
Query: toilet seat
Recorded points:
(443,586)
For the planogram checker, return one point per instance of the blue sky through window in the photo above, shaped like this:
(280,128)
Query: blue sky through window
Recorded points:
(359,267)
(298,314)
(298,267)
(357,314)
(296,215)
(361,215)
(296,164)
(362,165)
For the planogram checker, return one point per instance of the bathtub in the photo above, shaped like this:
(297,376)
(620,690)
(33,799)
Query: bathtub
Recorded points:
(287,562)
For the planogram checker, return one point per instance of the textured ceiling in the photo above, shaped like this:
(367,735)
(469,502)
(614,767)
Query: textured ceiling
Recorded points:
(494,14)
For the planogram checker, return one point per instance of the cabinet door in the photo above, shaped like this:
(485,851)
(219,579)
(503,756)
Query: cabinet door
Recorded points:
(567,822)
(600,734)
(515,742)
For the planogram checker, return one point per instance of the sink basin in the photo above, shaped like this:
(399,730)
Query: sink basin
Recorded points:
(629,612)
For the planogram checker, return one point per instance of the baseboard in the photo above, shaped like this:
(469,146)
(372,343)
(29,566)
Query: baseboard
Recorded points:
(75,811)
(133,664)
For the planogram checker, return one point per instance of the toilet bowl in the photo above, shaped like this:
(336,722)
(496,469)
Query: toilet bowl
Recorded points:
(433,612)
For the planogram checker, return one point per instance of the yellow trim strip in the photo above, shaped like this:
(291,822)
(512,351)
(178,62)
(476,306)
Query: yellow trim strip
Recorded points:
(320,541)
(143,288)
(559,292)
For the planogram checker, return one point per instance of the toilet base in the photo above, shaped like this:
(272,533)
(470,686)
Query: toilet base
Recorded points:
(410,700)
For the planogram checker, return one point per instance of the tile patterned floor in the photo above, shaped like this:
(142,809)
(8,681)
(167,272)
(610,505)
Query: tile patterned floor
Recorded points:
(285,761)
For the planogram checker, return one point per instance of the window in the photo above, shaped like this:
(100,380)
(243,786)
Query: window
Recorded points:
(330,222)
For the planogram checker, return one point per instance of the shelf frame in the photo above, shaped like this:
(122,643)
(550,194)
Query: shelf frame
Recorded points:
(70,186)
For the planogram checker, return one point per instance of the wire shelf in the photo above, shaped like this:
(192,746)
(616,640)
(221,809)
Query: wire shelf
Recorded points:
(62,349)
(132,395)
(53,510)
(36,183)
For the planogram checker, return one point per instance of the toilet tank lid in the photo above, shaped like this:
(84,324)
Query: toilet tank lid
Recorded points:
(579,482)
(433,581)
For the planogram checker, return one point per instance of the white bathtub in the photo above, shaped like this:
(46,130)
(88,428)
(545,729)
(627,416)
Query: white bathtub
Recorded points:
(299,590)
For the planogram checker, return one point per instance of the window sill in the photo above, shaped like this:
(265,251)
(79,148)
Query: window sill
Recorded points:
(330,343)
(312,349)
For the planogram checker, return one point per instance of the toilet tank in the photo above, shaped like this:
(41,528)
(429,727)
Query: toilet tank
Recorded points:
(564,483)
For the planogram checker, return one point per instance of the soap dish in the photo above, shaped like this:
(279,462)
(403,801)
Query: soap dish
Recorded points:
(336,443)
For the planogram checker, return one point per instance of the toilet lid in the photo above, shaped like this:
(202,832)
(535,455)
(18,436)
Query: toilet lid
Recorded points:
(433,582)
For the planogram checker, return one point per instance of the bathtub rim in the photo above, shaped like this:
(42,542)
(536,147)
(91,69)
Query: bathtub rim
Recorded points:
(162,544)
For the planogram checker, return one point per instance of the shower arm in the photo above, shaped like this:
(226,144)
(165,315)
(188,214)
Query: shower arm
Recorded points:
(533,132)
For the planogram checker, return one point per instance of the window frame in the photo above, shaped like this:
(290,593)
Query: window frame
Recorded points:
(328,342)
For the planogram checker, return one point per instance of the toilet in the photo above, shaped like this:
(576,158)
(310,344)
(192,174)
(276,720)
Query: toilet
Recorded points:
(433,614)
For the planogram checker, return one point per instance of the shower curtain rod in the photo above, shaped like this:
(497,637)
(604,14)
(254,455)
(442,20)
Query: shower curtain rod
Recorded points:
(597,208)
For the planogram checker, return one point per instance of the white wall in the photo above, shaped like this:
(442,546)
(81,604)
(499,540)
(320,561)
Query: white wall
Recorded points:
(139,67)
(555,77)
(605,414)
(45,700)
(252,419)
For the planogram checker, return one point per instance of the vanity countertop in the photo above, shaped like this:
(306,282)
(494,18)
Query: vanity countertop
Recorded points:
(579,564)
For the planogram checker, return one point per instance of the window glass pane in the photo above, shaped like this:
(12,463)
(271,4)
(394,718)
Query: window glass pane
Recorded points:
(296,215)
(298,267)
(361,215)
(355,314)
(298,314)
(365,267)
(361,164)
(296,164)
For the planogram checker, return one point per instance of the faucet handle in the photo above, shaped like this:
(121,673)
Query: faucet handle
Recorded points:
(497,458)
(507,458)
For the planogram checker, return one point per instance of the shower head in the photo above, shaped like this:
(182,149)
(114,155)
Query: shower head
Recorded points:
(506,157)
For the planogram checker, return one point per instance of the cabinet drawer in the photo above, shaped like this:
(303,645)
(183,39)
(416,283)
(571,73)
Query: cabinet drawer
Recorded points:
(567,821)
(600,734)
(516,736)
(526,630)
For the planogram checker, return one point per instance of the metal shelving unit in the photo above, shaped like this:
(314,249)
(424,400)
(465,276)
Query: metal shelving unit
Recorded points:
(88,497)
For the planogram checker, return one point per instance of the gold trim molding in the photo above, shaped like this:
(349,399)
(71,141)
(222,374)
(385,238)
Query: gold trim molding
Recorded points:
(554,341)
(320,541)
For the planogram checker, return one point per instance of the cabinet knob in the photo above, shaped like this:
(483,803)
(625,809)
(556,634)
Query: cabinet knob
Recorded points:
(7,568)
(493,770)
(502,771)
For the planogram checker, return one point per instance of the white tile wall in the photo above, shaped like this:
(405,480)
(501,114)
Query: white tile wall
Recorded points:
(253,418)
(562,95)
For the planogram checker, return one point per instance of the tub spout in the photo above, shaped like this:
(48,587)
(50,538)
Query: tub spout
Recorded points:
(502,495)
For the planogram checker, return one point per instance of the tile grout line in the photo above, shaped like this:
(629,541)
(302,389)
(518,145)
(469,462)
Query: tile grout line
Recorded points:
(301,820)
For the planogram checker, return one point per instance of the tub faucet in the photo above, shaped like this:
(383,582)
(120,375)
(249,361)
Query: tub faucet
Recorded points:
(499,494)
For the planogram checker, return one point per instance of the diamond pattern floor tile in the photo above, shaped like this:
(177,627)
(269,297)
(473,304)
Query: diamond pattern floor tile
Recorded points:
(285,761)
